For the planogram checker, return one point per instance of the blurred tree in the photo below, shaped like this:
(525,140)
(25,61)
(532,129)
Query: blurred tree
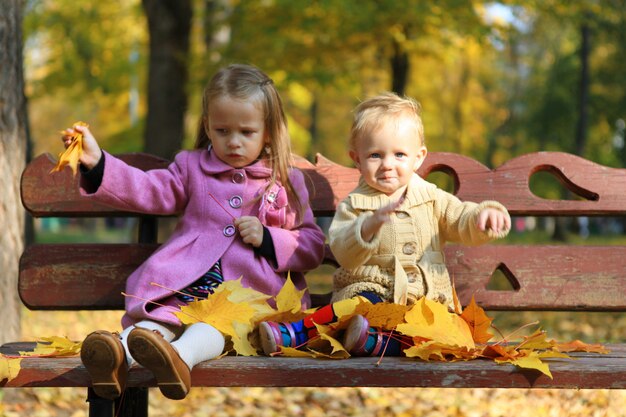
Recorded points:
(13,130)
(356,48)
(79,67)
(169,23)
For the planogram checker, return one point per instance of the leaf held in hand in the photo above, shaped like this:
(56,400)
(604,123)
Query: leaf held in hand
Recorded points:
(71,155)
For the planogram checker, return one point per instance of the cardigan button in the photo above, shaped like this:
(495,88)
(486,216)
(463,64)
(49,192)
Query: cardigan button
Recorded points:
(238,177)
(408,248)
(235,201)
(229,230)
(402,215)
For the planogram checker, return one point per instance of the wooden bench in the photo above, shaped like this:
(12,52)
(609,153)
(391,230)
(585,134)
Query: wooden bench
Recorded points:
(567,278)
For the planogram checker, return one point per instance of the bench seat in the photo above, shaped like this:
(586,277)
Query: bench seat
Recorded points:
(91,276)
(589,370)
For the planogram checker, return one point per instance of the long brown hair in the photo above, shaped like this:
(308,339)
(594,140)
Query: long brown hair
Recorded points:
(246,82)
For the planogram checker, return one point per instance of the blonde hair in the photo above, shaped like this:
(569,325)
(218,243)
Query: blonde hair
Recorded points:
(372,113)
(246,82)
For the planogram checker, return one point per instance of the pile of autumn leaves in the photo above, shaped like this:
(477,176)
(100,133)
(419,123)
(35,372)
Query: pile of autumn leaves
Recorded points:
(434,333)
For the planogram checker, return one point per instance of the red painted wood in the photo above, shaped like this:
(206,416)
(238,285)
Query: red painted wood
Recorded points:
(592,278)
(78,276)
(82,276)
(46,194)
(602,187)
(589,371)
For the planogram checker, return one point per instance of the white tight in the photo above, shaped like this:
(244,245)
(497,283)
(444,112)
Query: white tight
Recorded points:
(197,343)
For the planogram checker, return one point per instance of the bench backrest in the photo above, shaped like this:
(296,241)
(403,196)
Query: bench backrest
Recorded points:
(542,277)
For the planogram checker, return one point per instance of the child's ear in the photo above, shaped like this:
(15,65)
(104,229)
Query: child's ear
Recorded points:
(421,155)
(355,157)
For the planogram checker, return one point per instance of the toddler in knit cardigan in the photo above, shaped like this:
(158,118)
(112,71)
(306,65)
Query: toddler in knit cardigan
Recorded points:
(388,234)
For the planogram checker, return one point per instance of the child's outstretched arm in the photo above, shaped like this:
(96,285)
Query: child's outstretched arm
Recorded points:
(91,151)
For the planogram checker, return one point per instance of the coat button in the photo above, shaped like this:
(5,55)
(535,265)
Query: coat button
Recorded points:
(235,201)
(238,177)
(402,215)
(408,248)
(229,230)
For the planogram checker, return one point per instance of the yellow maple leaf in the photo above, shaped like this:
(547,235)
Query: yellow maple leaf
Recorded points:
(384,315)
(345,309)
(537,340)
(433,351)
(241,294)
(326,334)
(294,353)
(502,352)
(54,346)
(478,322)
(431,320)
(219,312)
(289,298)
(72,153)
(288,305)
(531,360)
(9,368)
(241,343)
(578,346)
(425,351)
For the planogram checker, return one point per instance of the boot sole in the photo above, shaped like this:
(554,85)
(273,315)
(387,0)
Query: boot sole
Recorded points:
(154,353)
(100,356)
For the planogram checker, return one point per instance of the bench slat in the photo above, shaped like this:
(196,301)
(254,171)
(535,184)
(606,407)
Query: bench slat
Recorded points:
(589,371)
(56,195)
(601,187)
(91,276)
(78,276)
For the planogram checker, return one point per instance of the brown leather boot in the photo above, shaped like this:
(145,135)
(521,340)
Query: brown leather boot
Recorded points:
(104,358)
(153,352)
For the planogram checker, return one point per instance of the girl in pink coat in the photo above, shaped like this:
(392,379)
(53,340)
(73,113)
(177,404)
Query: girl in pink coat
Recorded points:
(244,212)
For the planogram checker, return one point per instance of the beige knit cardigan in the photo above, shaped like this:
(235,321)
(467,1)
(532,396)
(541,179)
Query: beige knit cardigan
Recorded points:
(404,260)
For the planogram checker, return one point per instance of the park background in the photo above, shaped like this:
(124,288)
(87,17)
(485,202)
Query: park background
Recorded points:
(495,80)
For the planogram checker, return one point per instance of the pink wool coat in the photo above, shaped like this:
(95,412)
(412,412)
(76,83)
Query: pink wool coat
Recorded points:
(205,231)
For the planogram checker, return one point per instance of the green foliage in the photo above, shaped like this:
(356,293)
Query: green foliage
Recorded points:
(491,87)
(83,62)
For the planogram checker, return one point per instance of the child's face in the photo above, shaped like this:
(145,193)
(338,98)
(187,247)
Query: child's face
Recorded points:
(388,156)
(237,130)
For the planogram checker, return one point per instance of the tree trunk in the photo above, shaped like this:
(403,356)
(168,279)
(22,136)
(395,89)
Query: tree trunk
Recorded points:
(169,24)
(12,162)
(400,65)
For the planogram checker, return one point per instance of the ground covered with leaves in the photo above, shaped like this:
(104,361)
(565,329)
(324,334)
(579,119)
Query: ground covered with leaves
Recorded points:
(261,402)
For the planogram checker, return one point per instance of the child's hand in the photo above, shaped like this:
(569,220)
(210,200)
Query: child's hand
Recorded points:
(91,151)
(381,216)
(250,230)
(494,219)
